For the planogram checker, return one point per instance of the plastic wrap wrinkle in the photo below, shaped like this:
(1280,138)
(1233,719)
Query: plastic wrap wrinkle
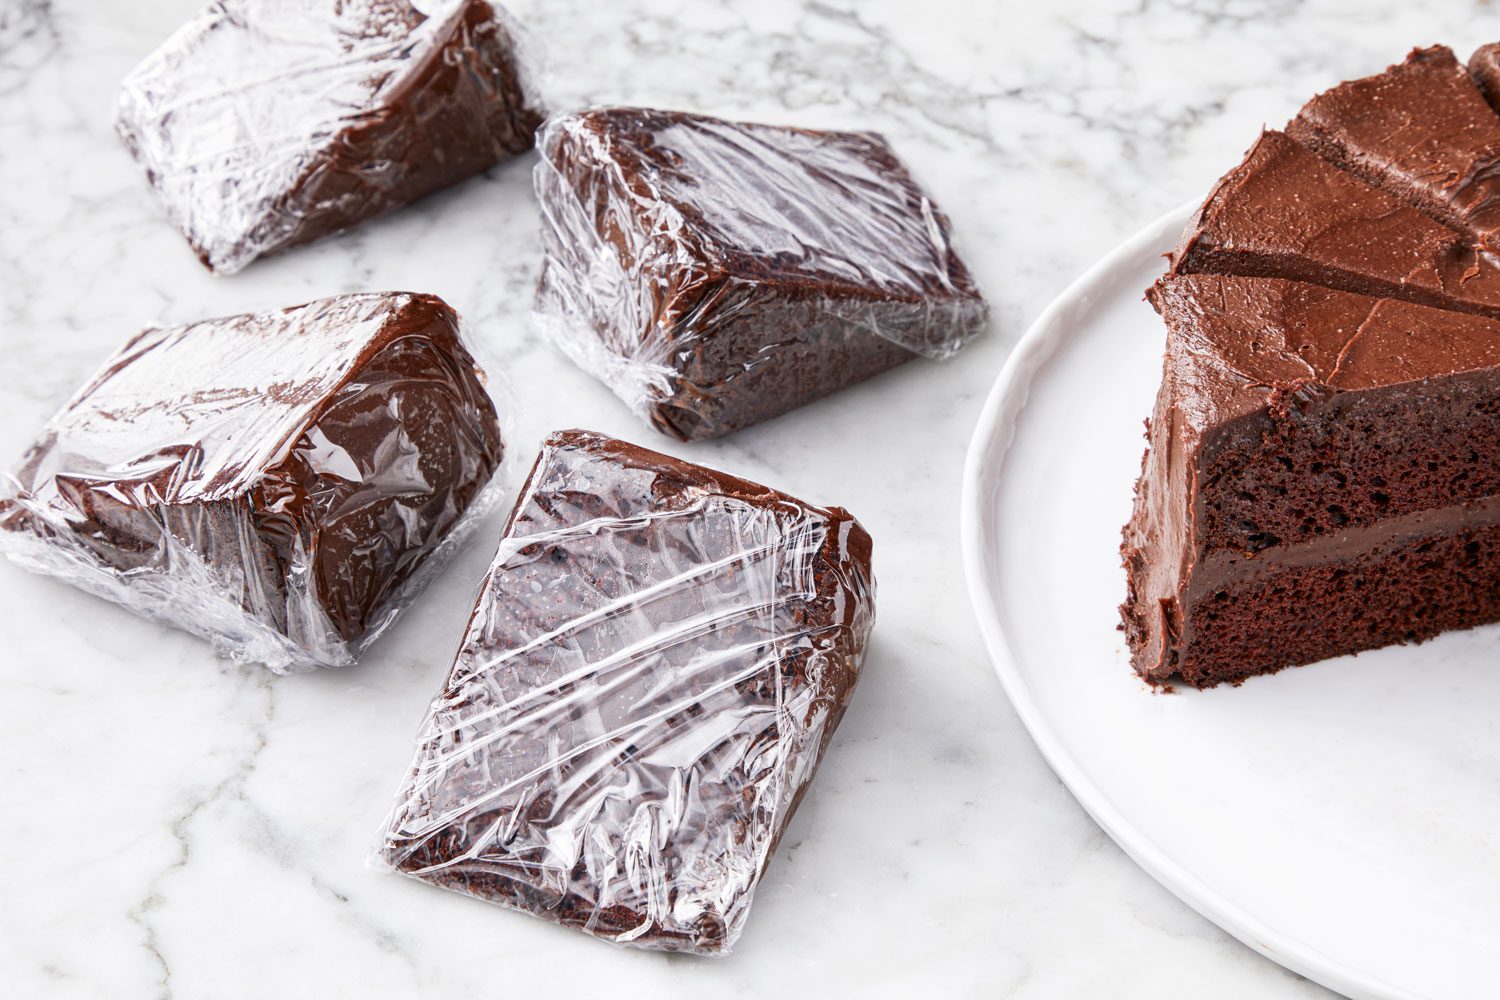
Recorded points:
(267,123)
(282,483)
(716,273)
(653,669)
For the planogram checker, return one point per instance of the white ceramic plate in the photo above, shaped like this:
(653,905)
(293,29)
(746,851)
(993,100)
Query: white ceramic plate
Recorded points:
(1342,818)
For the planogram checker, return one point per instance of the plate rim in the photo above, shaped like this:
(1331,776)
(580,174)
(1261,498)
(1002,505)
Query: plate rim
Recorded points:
(998,420)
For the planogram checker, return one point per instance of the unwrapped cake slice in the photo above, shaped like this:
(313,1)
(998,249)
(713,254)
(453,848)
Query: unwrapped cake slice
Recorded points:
(1422,131)
(263,124)
(652,672)
(1287,213)
(281,483)
(1323,477)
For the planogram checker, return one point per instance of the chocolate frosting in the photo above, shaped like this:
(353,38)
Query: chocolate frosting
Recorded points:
(1323,473)
(1243,353)
(1287,213)
(1484,69)
(1421,130)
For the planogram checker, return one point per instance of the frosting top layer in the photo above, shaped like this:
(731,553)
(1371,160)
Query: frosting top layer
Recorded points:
(1285,212)
(1421,129)
(1287,334)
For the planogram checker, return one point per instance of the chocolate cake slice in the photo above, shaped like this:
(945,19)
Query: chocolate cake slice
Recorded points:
(652,672)
(716,274)
(1422,131)
(1323,477)
(281,483)
(1287,213)
(263,124)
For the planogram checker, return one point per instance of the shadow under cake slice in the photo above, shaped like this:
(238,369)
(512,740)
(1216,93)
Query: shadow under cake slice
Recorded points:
(1323,477)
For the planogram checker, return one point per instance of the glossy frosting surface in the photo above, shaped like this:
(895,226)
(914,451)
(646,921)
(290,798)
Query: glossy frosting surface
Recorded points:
(1421,128)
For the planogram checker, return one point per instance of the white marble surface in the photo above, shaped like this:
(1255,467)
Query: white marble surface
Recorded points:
(175,826)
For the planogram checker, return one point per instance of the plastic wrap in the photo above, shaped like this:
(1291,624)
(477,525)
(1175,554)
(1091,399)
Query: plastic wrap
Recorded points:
(282,483)
(653,669)
(267,123)
(715,274)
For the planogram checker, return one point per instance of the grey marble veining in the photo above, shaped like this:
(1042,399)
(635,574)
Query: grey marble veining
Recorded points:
(177,827)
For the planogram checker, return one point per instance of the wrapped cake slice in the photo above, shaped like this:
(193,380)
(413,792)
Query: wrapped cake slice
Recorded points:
(715,274)
(263,124)
(652,672)
(282,483)
(1287,213)
(1323,478)
(1420,130)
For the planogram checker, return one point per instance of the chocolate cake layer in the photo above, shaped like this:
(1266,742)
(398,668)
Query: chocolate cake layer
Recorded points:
(653,669)
(1447,581)
(278,482)
(1287,213)
(716,274)
(264,124)
(1422,131)
(1306,444)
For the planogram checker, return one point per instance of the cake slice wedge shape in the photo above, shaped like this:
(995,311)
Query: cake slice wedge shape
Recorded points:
(1285,212)
(281,483)
(1423,132)
(267,124)
(718,273)
(1322,478)
(654,667)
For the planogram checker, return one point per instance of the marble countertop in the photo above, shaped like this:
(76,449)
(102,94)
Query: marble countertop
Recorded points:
(176,826)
